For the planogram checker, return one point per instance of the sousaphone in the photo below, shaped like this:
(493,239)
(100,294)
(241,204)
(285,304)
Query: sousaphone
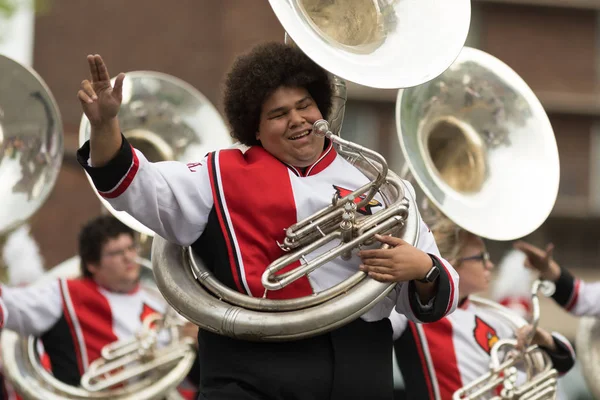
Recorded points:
(382,44)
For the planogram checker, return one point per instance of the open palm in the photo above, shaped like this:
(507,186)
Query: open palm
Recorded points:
(100,101)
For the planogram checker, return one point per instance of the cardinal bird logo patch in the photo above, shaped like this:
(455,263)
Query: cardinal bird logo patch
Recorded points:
(146,312)
(367,209)
(485,336)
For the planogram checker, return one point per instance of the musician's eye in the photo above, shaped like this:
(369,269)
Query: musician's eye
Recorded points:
(304,105)
(276,116)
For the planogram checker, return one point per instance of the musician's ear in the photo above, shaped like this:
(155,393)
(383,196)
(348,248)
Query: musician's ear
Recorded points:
(92,268)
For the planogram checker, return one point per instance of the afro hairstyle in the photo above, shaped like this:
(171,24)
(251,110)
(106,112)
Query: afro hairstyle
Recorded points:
(256,75)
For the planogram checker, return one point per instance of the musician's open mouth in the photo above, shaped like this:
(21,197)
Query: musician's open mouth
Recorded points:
(301,135)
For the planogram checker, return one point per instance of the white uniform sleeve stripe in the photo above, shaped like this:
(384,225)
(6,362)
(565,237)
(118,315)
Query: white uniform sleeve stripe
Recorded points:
(76,325)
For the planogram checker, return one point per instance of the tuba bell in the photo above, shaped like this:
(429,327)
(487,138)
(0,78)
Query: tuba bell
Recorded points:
(479,144)
(126,371)
(31,146)
(363,41)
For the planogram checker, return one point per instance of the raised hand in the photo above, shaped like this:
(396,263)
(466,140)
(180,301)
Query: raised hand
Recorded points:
(100,101)
(540,260)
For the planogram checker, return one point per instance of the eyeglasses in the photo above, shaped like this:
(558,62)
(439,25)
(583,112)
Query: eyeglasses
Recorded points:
(484,257)
(121,252)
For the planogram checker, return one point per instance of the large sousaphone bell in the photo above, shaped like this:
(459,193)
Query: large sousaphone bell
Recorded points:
(31,145)
(378,43)
(479,144)
(374,43)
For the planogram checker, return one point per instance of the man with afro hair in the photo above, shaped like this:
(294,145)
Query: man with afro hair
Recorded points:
(233,209)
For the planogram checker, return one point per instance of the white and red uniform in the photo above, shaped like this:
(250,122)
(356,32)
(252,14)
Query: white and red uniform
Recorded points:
(75,319)
(439,358)
(233,207)
(576,296)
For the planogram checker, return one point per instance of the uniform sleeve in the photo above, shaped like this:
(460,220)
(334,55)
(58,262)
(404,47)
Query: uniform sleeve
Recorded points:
(576,296)
(446,298)
(170,198)
(563,358)
(33,309)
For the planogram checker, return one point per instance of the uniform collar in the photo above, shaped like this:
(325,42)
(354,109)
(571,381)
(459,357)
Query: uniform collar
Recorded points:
(134,290)
(327,156)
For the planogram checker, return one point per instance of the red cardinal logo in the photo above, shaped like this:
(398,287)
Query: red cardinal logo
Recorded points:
(485,336)
(146,312)
(366,210)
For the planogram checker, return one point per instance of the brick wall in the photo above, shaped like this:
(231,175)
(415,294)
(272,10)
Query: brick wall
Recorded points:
(553,49)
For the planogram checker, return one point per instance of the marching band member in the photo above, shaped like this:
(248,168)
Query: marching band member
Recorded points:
(574,295)
(455,351)
(76,318)
(232,207)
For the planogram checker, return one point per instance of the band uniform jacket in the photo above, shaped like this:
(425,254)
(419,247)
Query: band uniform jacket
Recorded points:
(439,358)
(75,319)
(233,207)
(576,296)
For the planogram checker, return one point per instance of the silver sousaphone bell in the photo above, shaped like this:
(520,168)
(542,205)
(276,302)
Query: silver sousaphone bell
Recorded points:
(31,146)
(386,44)
(480,145)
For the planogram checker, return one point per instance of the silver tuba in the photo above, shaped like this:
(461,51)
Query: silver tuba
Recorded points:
(586,341)
(364,41)
(502,381)
(127,371)
(31,146)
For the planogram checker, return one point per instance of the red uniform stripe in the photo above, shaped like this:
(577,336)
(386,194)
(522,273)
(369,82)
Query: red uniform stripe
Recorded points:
(259,207)
(443,356)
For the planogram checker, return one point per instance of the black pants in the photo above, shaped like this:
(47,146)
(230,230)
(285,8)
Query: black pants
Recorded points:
(353,362)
